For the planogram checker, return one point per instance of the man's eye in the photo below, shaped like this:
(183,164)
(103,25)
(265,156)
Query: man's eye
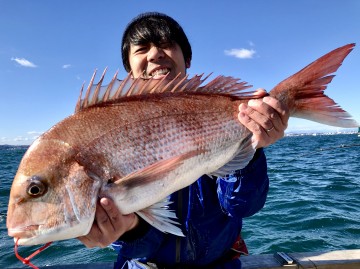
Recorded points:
(140,49)
(165,45)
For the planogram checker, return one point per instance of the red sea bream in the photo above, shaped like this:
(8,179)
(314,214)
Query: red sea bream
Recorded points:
(137,141)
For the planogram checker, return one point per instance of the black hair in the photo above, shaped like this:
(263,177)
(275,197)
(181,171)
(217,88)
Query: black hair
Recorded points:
(155,28)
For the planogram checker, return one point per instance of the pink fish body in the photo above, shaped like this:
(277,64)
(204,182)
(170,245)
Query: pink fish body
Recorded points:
(138,141)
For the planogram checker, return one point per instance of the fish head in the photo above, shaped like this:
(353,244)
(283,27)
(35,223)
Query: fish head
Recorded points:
(52,197)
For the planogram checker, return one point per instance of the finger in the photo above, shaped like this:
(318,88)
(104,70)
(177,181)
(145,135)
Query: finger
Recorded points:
(102,219)
(266,115)
(282,110)
(83,240)
(100,231)
(91,239)
(115,217)
(253,127)
(86,241)
(257,138)
(107,226)
(116,224)
(109,214)
(265,130)
(257,113)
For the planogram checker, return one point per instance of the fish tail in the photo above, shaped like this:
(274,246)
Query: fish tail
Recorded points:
(303,92)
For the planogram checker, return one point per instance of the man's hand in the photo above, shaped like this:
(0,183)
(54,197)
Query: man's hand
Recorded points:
(267,119)
(108,226)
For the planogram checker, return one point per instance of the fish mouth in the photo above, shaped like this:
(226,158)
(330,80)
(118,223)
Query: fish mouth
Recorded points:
(41,233)
(28,235)
(25,232)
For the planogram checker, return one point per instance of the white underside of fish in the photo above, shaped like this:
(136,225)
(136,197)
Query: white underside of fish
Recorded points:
(63,232)
(138,199)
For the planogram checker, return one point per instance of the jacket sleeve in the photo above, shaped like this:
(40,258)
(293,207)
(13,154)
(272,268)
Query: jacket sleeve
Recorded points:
(244,192)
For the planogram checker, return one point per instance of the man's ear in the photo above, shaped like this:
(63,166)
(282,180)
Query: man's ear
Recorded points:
(188,63)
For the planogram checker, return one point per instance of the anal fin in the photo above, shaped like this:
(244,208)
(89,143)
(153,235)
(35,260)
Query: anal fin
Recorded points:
(160,216)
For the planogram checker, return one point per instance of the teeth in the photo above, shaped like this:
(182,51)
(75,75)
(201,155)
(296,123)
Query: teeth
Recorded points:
(159,72)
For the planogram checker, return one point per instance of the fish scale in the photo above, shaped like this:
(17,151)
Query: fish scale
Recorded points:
(157,139)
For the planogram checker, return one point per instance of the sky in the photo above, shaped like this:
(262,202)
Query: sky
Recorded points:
(48,49)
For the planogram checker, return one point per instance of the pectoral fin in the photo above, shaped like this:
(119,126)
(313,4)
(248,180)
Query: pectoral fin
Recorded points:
(155,171)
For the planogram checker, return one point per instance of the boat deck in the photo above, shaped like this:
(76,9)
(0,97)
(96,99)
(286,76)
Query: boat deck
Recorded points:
(338,259)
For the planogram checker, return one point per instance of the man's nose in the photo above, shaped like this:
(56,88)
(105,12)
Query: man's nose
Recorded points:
(155,53)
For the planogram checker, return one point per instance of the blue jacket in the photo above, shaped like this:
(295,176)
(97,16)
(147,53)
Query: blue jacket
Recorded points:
(210,212)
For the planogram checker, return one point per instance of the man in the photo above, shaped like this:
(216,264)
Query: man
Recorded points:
(210,210)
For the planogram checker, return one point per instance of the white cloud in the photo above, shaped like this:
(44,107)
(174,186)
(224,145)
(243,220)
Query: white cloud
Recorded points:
(20,138)
(23,62)
(34,133)
(26,139)
(65,66)
(241,53)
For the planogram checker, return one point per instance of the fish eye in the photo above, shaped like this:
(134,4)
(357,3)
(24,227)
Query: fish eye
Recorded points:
(36,187)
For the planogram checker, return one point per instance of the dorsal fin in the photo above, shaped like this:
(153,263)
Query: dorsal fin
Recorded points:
(117,89)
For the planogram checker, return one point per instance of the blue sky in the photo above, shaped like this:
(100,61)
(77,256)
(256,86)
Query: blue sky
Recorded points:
(49,48)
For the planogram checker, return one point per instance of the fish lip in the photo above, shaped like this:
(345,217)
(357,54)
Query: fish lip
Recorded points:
(151,71)
(24,232)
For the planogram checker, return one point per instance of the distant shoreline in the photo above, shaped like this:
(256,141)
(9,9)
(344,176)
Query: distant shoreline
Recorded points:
(321,132)
(287,134)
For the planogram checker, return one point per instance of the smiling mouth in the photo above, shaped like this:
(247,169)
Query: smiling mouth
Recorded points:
(158,73)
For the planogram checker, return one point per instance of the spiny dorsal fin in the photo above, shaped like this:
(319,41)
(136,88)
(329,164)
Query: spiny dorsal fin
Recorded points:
(118,89)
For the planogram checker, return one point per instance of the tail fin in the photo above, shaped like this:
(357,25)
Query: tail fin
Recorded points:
(303,92)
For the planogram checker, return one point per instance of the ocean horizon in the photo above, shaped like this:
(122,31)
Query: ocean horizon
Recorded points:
(312,205)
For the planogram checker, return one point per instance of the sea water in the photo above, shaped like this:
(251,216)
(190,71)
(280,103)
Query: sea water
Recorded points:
(313,203)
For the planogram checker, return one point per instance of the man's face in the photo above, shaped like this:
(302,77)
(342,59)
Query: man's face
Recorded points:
(150,61)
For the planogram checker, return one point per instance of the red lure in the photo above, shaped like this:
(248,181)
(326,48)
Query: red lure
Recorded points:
(27,259)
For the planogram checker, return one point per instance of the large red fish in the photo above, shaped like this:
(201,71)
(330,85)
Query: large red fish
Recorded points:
(138,141)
